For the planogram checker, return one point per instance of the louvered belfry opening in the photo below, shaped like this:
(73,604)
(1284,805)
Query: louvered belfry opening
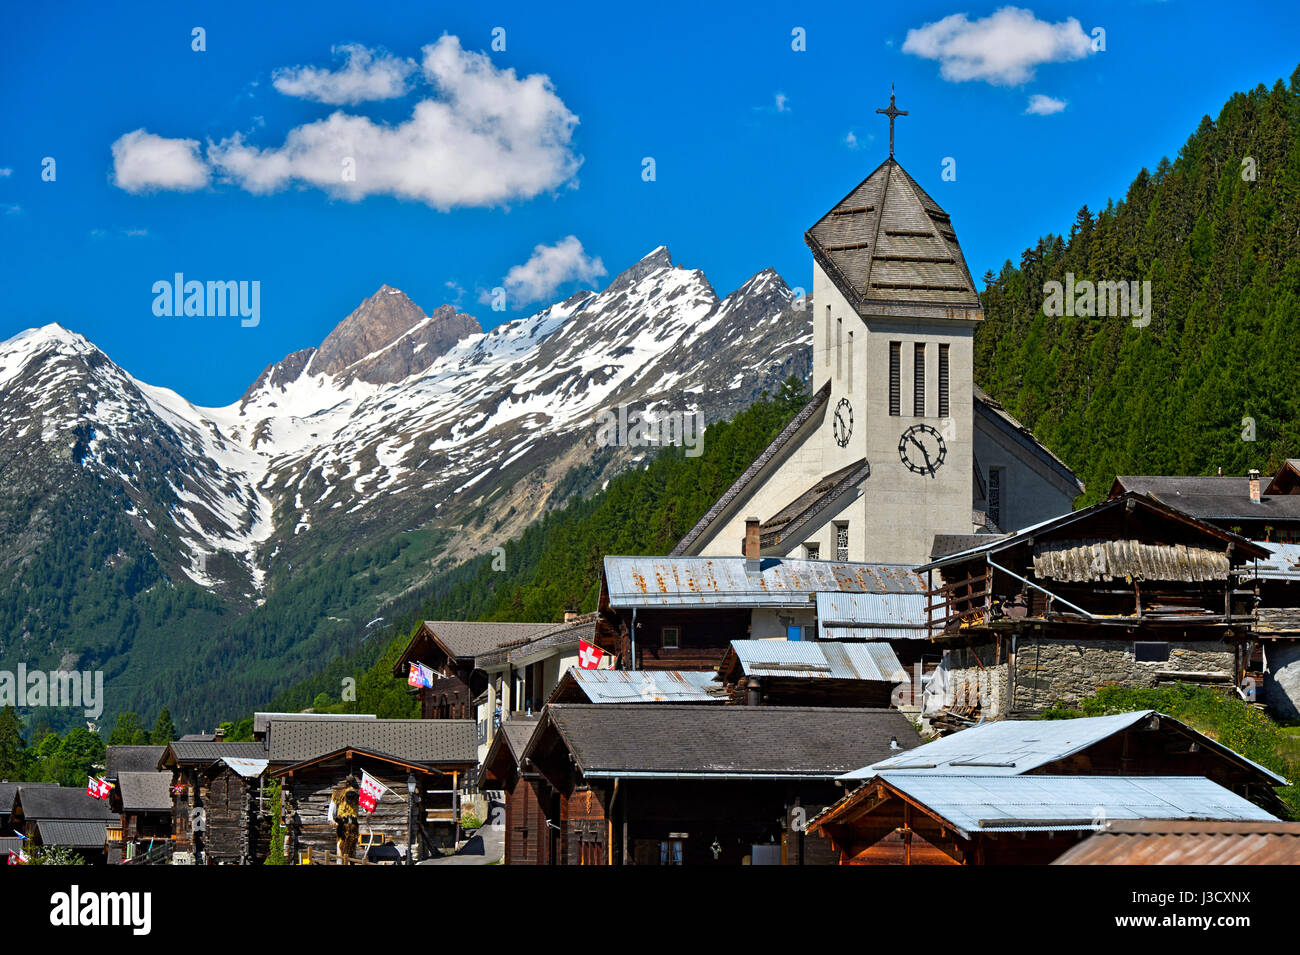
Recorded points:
(918,380)
(943,381)
(895,383)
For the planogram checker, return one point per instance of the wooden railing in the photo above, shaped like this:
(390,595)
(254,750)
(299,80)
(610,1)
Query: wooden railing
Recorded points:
(311,856)
(964,602)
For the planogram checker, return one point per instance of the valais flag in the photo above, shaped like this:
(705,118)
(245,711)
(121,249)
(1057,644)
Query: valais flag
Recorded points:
(590,656)
(371,790)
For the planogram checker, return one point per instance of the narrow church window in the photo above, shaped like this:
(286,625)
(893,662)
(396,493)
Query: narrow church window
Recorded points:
(895,351)
(918,381)
(812,550)
(839,348)
(943,381)
(827,337)
(995,496)
(850,363)
(841,541)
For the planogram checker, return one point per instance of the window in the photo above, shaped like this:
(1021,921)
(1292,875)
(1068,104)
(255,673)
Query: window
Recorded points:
(670,637)
(1151,652)
(839,348)
(995,496)
(850,388)
(918,380)
(670,852)
(812,550)
(841,541)
(895,351)
(827,342)
(943,381)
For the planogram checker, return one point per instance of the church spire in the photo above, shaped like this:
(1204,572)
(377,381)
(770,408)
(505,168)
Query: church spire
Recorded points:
(893,113)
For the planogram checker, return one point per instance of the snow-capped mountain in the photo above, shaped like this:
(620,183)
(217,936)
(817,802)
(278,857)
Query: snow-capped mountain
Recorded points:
(398,420)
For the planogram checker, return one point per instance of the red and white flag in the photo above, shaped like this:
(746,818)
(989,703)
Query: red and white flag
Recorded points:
(105,787)
(371,790)
(18,857)
(589,655)
(92,787)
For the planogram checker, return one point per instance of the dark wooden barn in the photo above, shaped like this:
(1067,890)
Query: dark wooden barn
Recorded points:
(529,798)
(1129,592)
(667,784)
(218,801)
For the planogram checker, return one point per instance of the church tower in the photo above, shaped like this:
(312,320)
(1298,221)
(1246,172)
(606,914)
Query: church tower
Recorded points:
(894,315)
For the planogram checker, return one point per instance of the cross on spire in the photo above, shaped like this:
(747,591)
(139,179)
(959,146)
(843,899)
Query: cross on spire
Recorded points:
(893,113)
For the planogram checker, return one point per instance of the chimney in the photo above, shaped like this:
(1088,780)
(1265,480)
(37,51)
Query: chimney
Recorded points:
(1253,476)
(750,547)
(220,733)
(570,616)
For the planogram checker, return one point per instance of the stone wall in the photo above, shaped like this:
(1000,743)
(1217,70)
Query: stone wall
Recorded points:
(1054,670)
(968,682)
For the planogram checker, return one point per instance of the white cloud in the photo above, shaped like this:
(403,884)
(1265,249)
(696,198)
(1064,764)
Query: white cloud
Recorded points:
(549,267)
(143,161)
(6,172)
(484,138)
(367,75)
(782,103)
(1040,105)
(1001,49)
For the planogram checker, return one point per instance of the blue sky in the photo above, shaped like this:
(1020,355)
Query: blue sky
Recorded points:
(750,140)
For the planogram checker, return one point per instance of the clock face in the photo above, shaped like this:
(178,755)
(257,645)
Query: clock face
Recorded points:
(921,449)
(842,426)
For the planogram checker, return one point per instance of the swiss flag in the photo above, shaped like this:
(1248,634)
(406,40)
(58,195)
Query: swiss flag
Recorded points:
(589,655)
(105,787)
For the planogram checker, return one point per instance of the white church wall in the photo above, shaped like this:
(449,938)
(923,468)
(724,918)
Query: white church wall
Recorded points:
(1029,493)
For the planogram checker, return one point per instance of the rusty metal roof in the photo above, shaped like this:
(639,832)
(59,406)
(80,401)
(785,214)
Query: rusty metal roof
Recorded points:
(1149,842)
(715,581)
(647,686)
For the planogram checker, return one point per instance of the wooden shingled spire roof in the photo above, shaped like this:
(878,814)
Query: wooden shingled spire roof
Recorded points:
(891,251)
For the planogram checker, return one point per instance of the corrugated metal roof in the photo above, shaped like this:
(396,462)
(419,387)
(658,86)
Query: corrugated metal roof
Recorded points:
(713,581)
(858,616)
(806,659)
(1189,843)
(1013,747)
(1282,564)
(1068,803)
(648,686)
(75,834)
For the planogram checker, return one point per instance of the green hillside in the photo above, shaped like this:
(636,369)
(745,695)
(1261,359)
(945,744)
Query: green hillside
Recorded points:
(1222,253)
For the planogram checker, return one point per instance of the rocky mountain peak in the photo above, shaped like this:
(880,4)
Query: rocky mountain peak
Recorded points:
(655,260)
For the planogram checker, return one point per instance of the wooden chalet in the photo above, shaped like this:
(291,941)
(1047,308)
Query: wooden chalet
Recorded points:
(529,799)
(671,784)
(65,816)
(1252,506)
(1008,820)
(313,756)
(811,673)
(141,796)
(218,801)
(682,613)
(449,649)
(1128,592)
